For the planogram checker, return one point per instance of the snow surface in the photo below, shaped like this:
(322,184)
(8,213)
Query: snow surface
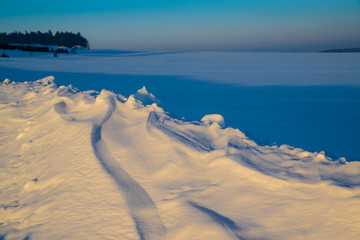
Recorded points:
(89,165)
(238,68)
(258,93)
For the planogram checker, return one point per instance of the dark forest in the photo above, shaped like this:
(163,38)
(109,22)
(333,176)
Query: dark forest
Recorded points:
(67,39)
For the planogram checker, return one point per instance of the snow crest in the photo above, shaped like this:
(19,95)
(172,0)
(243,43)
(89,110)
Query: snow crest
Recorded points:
(214,118)
(146,98)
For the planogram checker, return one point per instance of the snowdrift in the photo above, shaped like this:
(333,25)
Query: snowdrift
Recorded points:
(89,165)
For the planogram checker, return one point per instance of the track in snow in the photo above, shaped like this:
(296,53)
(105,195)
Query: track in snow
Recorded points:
(142,208)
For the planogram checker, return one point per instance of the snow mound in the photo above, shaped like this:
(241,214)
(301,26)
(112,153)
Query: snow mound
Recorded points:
(214,118)
(46,81)
(146,98)
(87,165)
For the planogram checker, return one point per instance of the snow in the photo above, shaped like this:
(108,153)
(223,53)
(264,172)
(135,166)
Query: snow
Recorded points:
(100,165)
(146,98)
(214,118)
(237,68)
(307,100)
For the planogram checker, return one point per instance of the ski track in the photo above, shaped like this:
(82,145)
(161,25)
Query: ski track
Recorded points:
(142,209)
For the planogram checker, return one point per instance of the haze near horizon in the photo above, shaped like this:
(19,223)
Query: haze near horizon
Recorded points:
(228,25)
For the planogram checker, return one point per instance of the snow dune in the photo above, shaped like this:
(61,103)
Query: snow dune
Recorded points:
(88,165)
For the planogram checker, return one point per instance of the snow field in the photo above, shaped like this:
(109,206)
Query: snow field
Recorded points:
(308,100)
(87,165)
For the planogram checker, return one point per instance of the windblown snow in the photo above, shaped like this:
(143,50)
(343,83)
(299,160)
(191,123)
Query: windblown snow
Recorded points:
(89,165)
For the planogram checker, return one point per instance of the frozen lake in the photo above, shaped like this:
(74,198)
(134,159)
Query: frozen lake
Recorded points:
(306,100)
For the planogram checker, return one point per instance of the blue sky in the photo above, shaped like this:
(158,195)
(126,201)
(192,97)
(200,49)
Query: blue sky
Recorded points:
(270,25)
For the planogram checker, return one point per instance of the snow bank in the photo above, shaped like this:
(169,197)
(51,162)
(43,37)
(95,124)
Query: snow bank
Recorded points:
(87,165)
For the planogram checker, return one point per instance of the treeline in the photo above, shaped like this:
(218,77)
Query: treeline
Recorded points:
(27,48)
(30,48)
(67,39)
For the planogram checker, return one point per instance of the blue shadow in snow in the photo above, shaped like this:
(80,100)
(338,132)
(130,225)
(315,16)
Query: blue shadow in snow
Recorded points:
(316,118)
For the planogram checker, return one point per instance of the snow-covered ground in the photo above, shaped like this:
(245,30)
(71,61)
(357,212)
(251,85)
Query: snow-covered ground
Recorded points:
(244,69)
(258,93)
(89,165)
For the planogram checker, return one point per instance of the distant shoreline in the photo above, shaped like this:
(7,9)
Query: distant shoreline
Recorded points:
(344,50)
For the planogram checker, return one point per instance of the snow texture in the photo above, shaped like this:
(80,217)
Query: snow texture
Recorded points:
(88,165)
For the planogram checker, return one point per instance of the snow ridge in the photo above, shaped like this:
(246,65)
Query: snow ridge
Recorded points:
(284,162)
